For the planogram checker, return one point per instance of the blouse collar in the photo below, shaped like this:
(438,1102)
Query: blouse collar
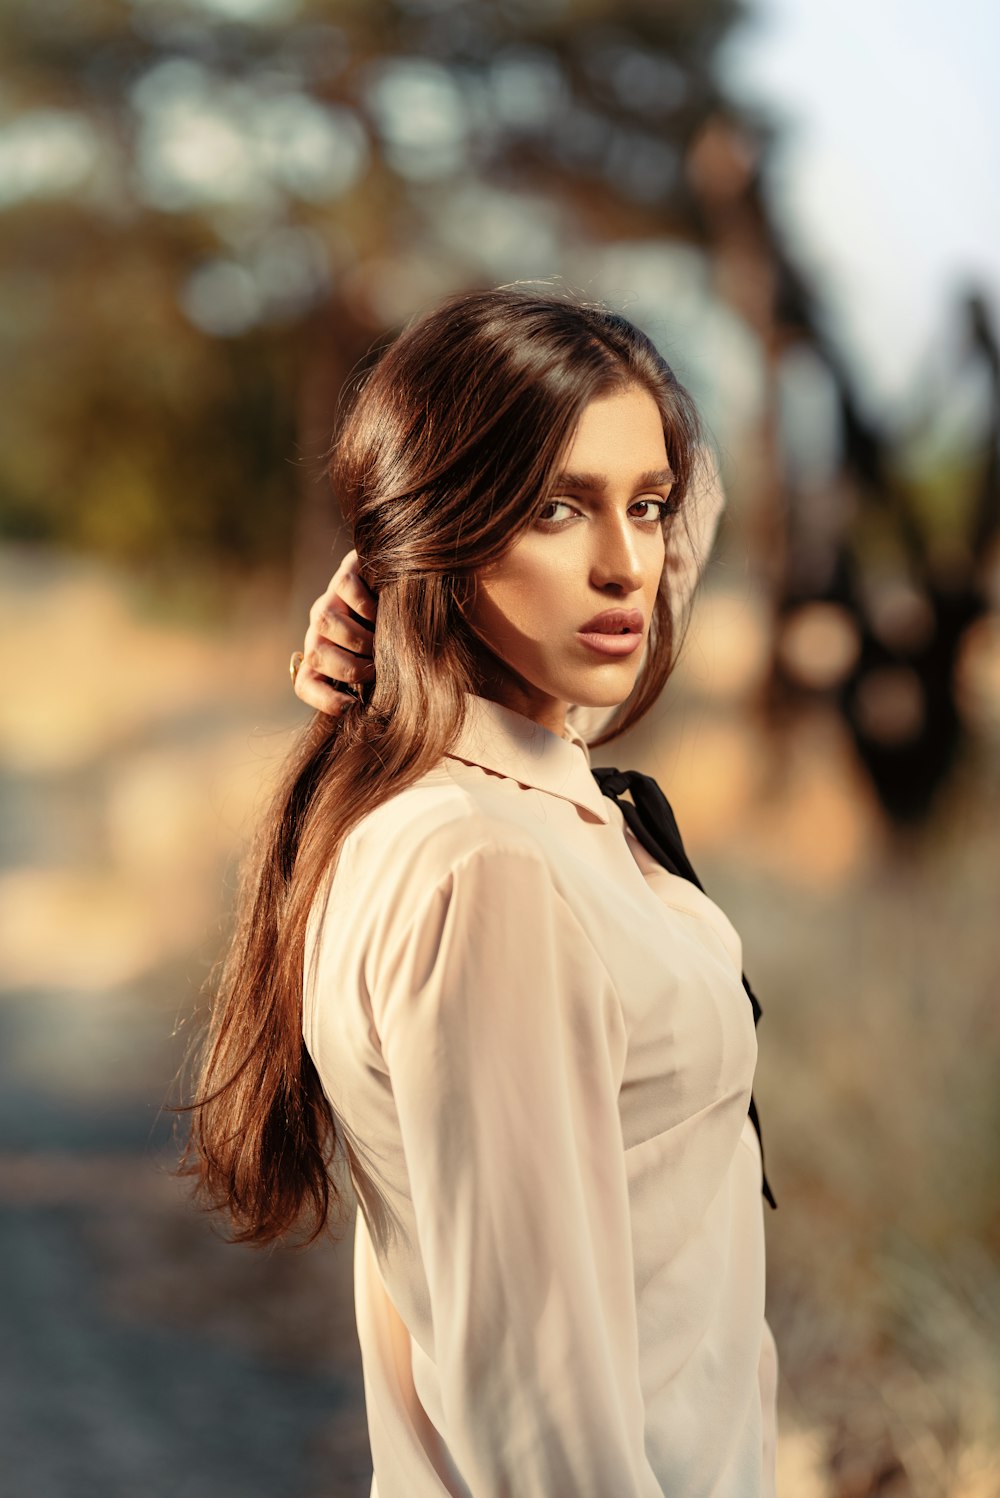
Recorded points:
(506,742)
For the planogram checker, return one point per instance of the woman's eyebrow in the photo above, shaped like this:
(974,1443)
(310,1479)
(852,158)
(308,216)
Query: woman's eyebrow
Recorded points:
(651,479)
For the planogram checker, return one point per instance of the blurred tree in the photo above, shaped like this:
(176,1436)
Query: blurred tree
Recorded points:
(875,613)
(191,190)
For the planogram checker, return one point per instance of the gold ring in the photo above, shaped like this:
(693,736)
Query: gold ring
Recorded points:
(294,664)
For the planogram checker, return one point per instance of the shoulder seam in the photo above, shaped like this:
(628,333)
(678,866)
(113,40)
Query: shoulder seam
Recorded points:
(519,850)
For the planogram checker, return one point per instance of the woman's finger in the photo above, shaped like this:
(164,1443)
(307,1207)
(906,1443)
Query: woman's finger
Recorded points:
(346,590)
(316,691)
(328,659)
(340,628)
(356,593)
(339,641)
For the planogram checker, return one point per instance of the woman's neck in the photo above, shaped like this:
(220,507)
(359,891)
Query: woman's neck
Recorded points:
(521,697)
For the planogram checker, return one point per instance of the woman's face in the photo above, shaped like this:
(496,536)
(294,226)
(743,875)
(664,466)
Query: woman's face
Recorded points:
(596,547)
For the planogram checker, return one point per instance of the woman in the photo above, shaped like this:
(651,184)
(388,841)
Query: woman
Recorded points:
(459,966)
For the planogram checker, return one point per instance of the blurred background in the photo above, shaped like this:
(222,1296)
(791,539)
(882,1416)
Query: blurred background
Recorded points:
(210,210)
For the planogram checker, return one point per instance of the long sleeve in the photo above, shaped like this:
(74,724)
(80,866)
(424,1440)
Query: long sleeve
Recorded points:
(505,1043)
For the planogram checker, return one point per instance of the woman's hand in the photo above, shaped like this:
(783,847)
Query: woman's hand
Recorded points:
(338,647)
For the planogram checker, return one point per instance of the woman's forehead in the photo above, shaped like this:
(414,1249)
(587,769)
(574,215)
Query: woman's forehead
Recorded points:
(615,432)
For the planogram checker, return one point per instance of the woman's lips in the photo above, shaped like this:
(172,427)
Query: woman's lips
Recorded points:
(614,631)
(610,644)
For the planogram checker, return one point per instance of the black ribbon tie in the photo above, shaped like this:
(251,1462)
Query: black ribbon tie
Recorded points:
(650,817)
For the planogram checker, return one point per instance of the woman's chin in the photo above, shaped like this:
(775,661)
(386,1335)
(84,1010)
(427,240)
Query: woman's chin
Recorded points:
(607,692)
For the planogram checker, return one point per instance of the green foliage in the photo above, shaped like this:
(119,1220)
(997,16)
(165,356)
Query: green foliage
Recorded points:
(127,430)
(144,145)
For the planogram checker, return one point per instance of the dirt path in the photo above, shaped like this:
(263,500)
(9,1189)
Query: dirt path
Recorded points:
(141,1356)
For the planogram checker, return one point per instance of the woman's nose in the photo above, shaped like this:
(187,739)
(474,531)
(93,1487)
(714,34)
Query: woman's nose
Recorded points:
(617,559)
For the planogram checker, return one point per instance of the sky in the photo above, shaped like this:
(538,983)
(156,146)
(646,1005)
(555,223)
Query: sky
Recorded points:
(888,181)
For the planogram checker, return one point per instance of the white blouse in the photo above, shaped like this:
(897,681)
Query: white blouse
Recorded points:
(540,1051)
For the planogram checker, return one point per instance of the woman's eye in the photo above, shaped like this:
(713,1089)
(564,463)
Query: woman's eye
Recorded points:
(545,515)
(662,508)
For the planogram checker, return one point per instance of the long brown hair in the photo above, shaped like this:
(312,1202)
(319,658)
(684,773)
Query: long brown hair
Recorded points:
(446,452)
